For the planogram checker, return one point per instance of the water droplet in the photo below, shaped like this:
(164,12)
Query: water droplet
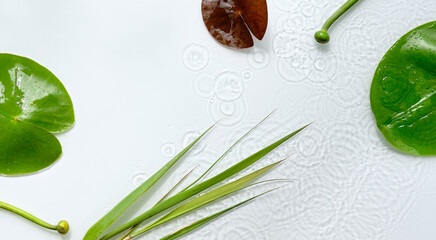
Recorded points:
(228,86)
(138,179)
(295,63)
(229,113)
(259,59)
(168,149)
(204,85)
(212,100)
(227,109)
(247,75)
(195,57)
(320,64)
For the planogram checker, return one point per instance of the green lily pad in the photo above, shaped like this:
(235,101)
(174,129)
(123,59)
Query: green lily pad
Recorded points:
(33,105)
(403,92)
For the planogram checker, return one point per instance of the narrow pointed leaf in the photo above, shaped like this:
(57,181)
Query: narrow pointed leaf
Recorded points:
(228,150)
(182,196)
(176,185)
(205,220)
(105,222)
(163,198)
(206,198)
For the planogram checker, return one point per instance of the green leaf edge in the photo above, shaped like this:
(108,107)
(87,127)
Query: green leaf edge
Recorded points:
(107,220)
(191,227)
(182,196)
(162,199)
(56,140)
(206,198)
(61,85)
(226,152)
(56,144)
(385,131)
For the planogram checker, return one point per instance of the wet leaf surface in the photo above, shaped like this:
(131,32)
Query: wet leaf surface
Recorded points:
(33,105)
(231,21)
(403,92)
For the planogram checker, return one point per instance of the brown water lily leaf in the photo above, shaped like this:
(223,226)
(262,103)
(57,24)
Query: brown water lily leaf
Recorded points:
(231,21)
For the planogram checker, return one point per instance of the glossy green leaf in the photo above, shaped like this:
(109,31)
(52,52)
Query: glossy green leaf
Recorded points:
(206,198)
(201,222)
(403,92)
(182,196)
(106,221)
(33,105)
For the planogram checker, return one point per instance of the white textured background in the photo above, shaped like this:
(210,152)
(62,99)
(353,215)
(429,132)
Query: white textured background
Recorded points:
(146,78)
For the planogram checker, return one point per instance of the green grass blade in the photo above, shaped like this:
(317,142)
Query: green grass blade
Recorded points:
(163,198)
(205,220)
(228,150)
(181,196)
(176,185)
(106,221)
(206,198)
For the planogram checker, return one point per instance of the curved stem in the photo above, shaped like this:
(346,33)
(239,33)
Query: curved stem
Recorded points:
(322,36)
(62,227)
(338,13)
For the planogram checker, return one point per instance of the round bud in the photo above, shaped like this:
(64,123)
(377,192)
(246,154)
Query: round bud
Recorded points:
(322,36)
(63,227)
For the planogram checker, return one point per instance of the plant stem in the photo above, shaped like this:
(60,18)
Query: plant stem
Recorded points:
(62,226)
(322,36)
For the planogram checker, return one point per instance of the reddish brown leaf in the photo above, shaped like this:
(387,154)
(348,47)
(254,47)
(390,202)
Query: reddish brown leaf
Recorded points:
(255,15)
(230,21)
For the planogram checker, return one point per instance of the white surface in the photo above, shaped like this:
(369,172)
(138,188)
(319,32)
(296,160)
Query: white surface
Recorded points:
(145,77)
